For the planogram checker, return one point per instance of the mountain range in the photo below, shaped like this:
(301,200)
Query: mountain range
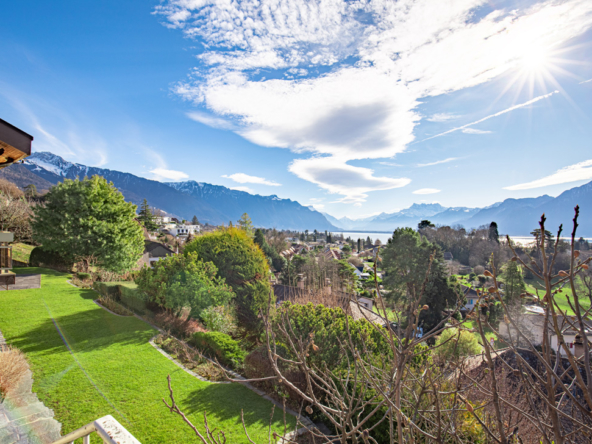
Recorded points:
(516,217)
(215,204)
(211,204)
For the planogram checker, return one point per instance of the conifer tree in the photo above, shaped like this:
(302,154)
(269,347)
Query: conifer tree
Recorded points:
(513,283)
(405,261)
(146,217)
(194,221)
(493,233)
(89,221)
(244,223)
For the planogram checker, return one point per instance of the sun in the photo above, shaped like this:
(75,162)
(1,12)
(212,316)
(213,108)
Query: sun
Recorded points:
(535,60)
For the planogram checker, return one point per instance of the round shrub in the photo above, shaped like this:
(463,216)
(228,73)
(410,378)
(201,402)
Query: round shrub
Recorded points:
(221,347)
(83,276)
(454,344)
(243,266)
(219,319)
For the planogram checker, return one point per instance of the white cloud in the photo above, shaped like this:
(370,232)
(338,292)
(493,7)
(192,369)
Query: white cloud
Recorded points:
(214,122)
(585,81)
(245,189)
(426,191)
(437,162)
(475,131)
(404,51)
(392,164)
(336,176)
(162,173)
(442,117)
(245,178)
(572,173)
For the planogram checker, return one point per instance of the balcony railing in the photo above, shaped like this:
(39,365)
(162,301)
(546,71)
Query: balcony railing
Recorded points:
(107,428)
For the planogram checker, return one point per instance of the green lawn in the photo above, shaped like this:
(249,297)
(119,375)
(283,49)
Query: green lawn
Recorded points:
(561,298)
(88,363)
(21,252)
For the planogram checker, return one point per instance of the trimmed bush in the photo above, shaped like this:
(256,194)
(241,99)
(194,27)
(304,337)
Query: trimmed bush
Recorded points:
(452,346)
(243,266)
(83,276)
(126,293)
(221,347)
(48,259)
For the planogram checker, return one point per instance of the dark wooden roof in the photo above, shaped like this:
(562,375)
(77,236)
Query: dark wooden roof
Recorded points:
(15,144)
(156,249)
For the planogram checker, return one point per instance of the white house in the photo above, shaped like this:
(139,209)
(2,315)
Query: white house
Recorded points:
(184,230)
(162,220)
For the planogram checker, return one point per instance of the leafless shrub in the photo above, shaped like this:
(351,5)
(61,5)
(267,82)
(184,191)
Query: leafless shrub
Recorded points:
(179,326)
(13,366)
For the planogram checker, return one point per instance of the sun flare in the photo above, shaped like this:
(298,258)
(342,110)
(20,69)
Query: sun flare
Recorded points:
(535,60)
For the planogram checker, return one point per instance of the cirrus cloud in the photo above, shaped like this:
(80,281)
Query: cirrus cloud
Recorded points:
(572,173)
(379,59)
(427,191)
(245,178)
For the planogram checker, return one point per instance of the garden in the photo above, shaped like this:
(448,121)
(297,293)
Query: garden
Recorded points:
(88,363)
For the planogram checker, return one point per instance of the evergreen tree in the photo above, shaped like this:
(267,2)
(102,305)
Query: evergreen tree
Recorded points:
(405,261)
(146,217)
(329,238)
(493,233)
(359,245)
(194,221)
(244,267)
(90,221)
(513,283)
(275,259)
(244,223)
(425,224)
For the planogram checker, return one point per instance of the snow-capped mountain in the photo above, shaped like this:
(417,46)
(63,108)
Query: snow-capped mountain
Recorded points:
(212,204)
(516,217)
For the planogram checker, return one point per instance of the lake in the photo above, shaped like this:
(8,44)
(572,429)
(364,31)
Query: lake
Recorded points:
(520,240)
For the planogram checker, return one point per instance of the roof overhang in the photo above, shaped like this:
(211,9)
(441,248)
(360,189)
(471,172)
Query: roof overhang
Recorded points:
(15,144)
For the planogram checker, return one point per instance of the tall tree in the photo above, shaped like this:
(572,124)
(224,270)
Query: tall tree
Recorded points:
(244,223)
(493,233)
(89,220)
(359,245)
(31,190)
(513,283)
(146,217)
(194,221)
(405,261)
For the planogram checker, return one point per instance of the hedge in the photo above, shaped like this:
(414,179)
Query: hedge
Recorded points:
(125,293)
(221,347)
(48,259)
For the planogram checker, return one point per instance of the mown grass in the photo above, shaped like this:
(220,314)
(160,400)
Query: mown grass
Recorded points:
(533,285)
(21,252)
(88,363)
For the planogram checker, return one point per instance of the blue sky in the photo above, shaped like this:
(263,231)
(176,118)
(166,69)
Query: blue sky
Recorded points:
(340,105)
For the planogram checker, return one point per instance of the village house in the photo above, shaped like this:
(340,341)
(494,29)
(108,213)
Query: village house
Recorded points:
(184,230)
(155,251)
(531,323)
